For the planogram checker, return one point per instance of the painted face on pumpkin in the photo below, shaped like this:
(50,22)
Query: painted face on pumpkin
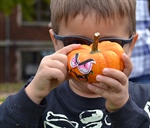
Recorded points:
(85,67)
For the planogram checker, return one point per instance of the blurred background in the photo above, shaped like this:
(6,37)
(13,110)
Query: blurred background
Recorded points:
(24,38)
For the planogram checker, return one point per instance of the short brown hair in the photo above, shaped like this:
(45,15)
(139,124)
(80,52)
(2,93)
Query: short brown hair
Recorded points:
(106,9)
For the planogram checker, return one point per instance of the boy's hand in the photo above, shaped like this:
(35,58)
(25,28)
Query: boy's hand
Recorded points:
(51,72)
(113,85)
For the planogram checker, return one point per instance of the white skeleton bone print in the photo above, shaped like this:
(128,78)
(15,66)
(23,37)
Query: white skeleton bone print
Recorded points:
(147,108)
(88,119)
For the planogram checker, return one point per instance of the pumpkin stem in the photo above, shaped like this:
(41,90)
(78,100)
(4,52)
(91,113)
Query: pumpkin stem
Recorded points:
(95,42)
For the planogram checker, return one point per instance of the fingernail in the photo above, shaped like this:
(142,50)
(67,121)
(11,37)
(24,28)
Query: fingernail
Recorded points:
(98,77)
(105,71)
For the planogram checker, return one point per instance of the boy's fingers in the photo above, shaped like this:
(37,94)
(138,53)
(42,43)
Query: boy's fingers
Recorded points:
(114,74)
(68,48)
(128,64)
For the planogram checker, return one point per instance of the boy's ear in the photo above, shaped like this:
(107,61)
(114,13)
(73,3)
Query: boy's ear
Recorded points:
(51,32)
(132,44)
(135,38)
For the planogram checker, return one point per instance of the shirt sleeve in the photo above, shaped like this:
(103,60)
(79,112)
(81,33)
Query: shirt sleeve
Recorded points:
(20,111)
(129,116)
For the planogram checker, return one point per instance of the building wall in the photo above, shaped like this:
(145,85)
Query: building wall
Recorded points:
(20,32)
(2,77)
(22,37)
(2,26)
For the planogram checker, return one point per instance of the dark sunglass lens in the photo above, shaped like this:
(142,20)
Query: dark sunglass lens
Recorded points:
(72,40)
(67,41)
(117,41)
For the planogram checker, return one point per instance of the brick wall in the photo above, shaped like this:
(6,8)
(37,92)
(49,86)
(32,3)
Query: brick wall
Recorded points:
(27,32)
(2,76)
(17,33)
(2,26)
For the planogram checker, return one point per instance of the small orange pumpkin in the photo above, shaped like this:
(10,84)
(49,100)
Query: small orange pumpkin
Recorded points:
(87,62)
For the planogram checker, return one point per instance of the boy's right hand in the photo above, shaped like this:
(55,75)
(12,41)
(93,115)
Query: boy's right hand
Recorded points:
(51,72)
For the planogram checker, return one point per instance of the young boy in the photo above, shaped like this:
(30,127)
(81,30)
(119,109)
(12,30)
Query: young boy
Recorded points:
(53,99)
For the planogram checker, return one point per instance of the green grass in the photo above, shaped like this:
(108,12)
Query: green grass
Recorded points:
(10,87)
(2,99)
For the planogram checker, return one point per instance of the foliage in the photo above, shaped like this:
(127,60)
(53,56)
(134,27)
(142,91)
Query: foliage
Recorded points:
(6,6)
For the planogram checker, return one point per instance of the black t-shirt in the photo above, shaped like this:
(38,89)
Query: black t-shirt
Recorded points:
(62,108)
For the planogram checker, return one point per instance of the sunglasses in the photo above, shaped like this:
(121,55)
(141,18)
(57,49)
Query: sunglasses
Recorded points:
(67,40)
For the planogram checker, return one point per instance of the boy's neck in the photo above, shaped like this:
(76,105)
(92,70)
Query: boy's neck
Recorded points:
(82,90)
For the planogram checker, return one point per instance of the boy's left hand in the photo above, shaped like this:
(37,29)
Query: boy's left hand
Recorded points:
(113,85)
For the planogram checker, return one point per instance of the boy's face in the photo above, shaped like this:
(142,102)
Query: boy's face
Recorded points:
(88,26)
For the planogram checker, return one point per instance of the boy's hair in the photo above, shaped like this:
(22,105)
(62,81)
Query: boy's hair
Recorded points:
(119,10)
